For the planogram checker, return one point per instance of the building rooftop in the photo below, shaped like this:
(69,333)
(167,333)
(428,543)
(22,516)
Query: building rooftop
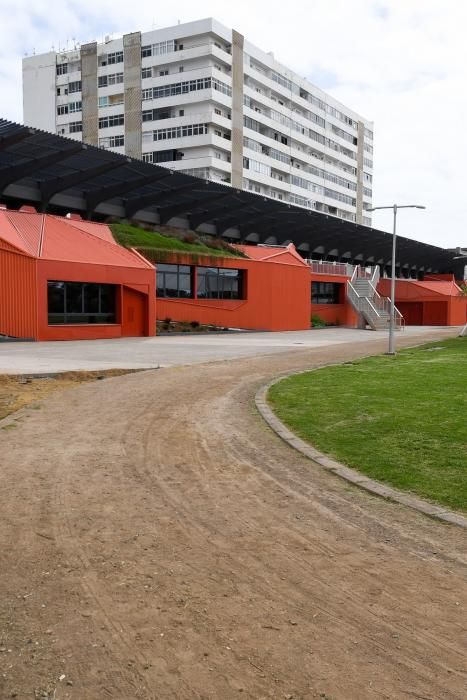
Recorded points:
(59,175)
(59,238)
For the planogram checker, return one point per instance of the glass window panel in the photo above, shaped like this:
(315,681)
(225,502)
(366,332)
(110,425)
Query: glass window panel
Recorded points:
(184,284)
(56,297)
(74,298)
(80,303)
(107,294)
(91,298)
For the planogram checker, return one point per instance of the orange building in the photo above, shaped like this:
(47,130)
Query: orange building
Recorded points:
(269,289)
(67,279)
(329,294)
(435,301)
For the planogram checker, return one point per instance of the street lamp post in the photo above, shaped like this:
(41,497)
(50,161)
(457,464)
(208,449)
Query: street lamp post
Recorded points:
(394,207)
(462,255)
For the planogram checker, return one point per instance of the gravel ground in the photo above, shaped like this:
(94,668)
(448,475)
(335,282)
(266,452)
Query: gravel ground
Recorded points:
(158,541)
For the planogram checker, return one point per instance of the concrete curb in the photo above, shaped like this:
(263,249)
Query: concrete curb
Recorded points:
(350,475)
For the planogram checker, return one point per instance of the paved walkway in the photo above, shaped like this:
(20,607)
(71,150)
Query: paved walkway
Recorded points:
(166,351)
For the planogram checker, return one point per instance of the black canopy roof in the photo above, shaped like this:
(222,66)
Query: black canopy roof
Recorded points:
(59,175)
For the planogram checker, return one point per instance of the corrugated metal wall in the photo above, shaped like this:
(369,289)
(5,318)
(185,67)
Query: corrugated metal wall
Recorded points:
(18,295)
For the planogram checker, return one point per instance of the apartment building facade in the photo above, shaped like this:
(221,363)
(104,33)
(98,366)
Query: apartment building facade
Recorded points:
(199,98)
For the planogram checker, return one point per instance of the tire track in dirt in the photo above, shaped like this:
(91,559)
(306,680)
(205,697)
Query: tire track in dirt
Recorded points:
(209,558)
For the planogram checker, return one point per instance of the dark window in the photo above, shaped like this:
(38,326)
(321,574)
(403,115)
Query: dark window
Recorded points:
(116,57)
(75,86)
(112,120)
(219,283)
(326,293)
(174,281)
(164,156)
(80,302)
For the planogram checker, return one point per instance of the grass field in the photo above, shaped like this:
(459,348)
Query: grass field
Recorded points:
(132,236)
(401,420)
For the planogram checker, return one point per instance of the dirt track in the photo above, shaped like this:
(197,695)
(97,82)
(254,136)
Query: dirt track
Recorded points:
(158,541)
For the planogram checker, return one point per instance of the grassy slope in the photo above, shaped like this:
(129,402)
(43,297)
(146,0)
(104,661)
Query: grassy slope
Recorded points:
(400,420)
(134,237)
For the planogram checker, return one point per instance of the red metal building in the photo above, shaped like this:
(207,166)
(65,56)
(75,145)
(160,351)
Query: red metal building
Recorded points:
(67,279)
(435,301)
(269,289)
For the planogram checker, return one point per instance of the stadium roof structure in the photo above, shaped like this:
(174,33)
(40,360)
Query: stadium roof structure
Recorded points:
(59,175)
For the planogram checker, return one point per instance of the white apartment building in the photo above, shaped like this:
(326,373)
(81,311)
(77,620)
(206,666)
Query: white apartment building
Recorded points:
(201,99)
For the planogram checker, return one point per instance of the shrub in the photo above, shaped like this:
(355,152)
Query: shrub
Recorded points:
(194,324)
(317,321)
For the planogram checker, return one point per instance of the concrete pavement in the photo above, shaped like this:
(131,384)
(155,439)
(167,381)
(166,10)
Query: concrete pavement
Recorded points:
(165,351)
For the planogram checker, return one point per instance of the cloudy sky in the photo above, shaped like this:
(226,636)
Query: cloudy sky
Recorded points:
(400,63)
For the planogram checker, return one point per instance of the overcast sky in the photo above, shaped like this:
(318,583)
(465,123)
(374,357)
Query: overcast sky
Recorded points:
(400,63)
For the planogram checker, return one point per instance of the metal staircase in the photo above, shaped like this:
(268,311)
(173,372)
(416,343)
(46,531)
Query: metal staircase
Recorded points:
(374,309)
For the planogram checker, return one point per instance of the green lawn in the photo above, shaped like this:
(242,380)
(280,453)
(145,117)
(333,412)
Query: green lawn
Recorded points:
(134,237)
(401,420)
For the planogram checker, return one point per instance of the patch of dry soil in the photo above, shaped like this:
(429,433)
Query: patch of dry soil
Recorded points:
(158,541)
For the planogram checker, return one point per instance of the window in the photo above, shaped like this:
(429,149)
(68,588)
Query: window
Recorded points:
(74,86)
(75,106)
(115,57)
(258,167)
(112,120)
(186,87)
(181,69)
(80,302)
(158,49)
(174,281)
(163,72)
(62,68)
(111,79)
(176,132)
(75,127)
(219,283)
(164,156)
(104,101)
(326,293)
(181,112)
(112,141)
(146,73)
(62,109)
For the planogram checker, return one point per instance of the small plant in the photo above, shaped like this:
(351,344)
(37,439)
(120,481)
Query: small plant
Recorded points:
(194,324)
(463,287)
(317,321)
(166,323)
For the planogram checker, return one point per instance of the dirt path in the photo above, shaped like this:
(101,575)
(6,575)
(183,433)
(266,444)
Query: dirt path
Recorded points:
(157,541)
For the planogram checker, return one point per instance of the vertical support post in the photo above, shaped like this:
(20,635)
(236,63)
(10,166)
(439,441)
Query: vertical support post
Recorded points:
(391,349)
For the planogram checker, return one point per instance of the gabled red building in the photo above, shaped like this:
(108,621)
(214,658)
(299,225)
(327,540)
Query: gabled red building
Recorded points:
(435,301)
(67,279)
(268,289)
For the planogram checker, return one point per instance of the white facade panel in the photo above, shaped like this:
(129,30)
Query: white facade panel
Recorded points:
(298,143)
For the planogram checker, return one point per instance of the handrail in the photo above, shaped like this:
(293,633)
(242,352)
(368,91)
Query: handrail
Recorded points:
(328,267)
(373,304)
